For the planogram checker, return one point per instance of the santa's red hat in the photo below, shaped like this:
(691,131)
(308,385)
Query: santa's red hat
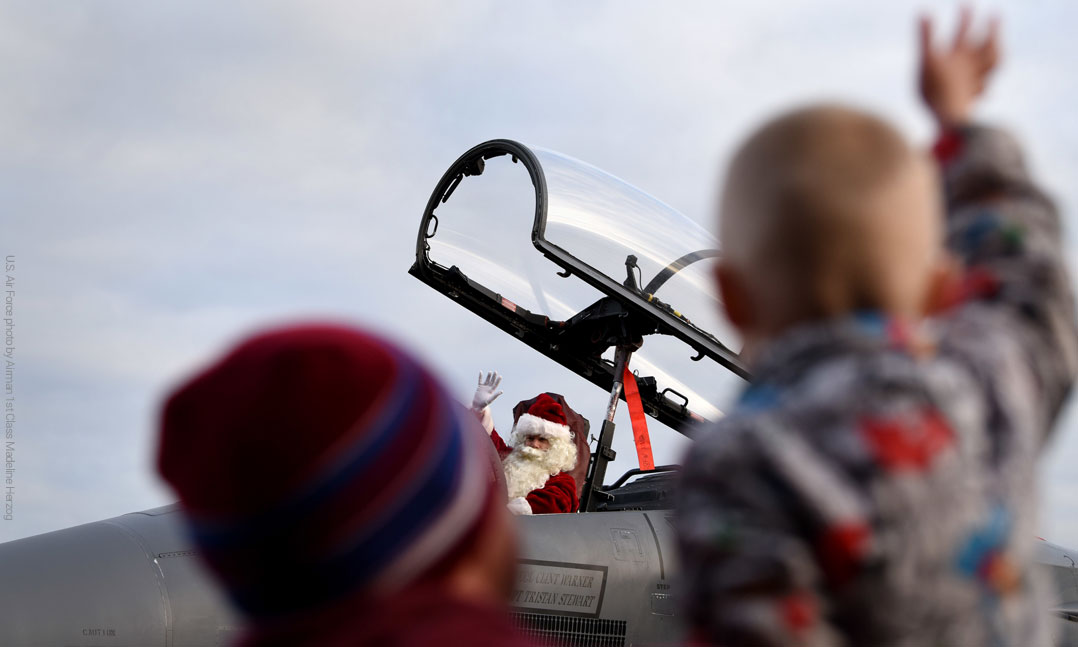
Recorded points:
(546,419)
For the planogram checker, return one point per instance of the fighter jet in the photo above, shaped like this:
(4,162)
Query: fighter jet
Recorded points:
(588,271)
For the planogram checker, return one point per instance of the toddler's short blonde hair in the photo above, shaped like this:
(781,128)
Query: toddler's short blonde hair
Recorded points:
(828,209)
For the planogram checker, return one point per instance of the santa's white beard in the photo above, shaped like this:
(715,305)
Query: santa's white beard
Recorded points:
(528,468)
(524,471)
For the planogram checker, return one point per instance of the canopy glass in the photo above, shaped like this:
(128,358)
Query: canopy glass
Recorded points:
(551,235)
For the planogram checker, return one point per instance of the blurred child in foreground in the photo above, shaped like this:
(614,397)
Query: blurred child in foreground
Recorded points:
(340,495)
(875,483)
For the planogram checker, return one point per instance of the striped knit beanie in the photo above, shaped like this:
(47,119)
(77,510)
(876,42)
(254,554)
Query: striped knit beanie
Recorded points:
(317,462)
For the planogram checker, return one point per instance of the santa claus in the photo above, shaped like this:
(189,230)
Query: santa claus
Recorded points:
(540,453)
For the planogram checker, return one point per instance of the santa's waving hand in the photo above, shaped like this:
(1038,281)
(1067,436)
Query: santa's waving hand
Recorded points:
(486,393)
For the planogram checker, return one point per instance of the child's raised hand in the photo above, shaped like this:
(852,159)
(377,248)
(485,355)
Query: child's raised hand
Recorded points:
(952,77)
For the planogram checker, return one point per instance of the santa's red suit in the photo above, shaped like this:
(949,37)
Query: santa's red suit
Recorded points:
(537,480)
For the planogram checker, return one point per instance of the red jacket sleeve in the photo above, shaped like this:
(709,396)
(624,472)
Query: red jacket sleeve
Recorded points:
(499,444)
(558,495)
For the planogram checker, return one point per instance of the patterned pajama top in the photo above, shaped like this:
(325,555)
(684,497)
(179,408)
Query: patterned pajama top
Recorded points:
(875,485)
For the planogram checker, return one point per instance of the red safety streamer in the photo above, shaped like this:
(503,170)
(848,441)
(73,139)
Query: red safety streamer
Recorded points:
(640,421)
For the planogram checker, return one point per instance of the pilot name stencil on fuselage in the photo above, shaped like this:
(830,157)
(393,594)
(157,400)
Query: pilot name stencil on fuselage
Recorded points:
(563,588)
(562,579)
(552,599)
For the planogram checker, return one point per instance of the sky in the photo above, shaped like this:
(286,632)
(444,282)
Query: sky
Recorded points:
(176,175)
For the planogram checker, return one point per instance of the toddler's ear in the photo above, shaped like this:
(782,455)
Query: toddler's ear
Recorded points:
(736,300)
(944,289)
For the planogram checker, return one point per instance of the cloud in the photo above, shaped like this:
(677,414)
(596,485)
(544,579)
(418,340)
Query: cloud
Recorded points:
(177,174)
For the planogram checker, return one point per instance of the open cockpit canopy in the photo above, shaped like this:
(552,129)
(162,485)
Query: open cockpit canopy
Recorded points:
(605,265)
